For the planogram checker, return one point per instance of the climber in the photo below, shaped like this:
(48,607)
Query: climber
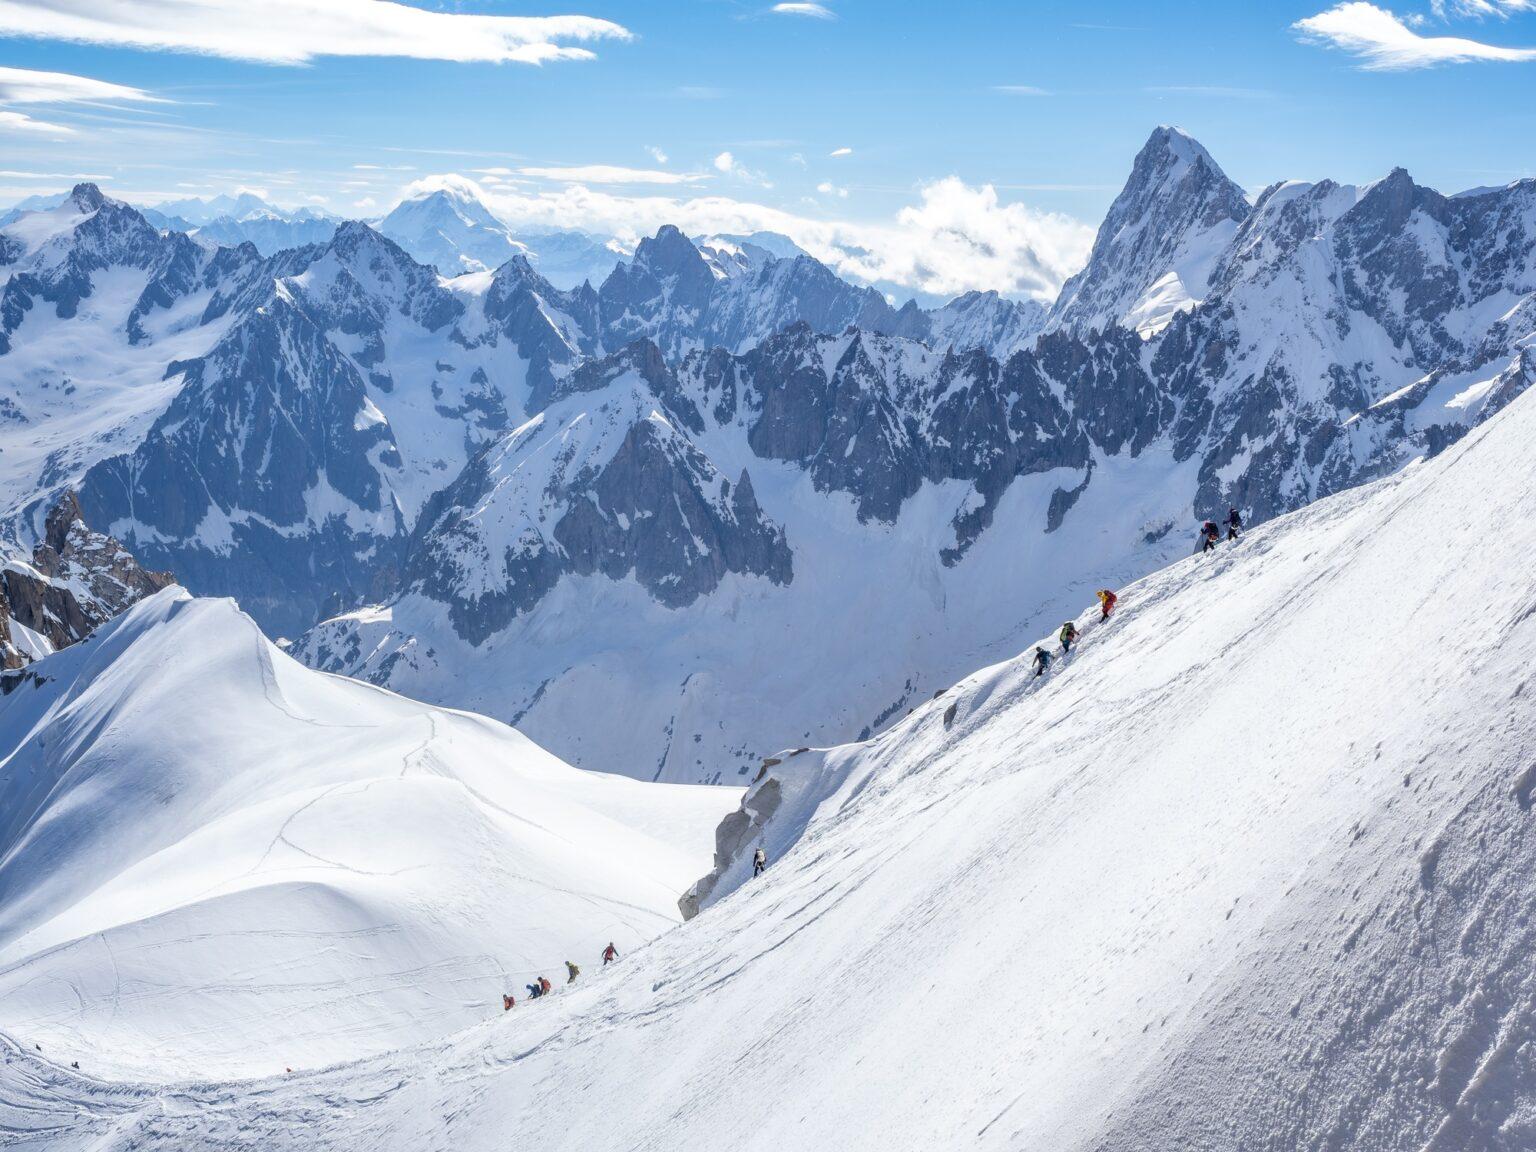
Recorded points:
(610,954)
(759,862)
(533,990)
(1106,602)
(1068,634)
(1234,523)
(545,987)
(1042,661)
(574,972)
(507,1002)
(1209,534)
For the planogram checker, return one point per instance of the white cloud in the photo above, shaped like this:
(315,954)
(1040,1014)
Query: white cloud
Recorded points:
(958,237)
(1019,90)
(836,152)
(815,11)
(615,174)
(72,177)
(297,31)
(827,188)
(727,163)
(24,86)
(1387,44)
(21,122)
(656,154)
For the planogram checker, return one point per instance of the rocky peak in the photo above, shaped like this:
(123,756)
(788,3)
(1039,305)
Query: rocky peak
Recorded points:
(669,253)
(87,197)
(1387,205)
(1155,252)
(353,236)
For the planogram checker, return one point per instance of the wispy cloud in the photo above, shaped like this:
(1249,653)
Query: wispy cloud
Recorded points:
(21,122)
(802,8)
(71,176)
(26,86)
(836,152)
(656,154)
(615,174)
(1019,90)
(1386,44)
(298,31)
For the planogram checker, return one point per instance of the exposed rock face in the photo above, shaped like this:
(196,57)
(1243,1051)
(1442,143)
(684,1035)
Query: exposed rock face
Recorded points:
(77,581)
(733,836)
(876,417)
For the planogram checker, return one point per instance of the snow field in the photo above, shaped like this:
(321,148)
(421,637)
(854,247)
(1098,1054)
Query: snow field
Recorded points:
(216,861)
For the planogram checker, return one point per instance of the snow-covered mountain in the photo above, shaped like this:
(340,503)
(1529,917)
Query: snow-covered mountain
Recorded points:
(97,307)
(268,233)
(1158,247)
(448,226)
(684,299)
(199,210)
(1249,869)
(216,861)
(937,507)
(243,218)
(486,460)
(568,258)
(984,320)
(40,202)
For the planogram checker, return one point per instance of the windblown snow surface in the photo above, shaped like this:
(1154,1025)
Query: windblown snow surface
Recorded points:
(215,861)
(1251,869)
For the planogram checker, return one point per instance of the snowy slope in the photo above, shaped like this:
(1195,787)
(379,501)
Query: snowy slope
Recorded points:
(1249,870)
(214,860)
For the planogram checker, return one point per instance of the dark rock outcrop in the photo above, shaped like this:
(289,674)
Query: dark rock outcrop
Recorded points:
(78,580)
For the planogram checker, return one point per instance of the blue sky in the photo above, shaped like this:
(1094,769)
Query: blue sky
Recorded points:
(848,113)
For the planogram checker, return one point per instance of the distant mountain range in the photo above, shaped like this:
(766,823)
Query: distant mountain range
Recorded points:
(719,500)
